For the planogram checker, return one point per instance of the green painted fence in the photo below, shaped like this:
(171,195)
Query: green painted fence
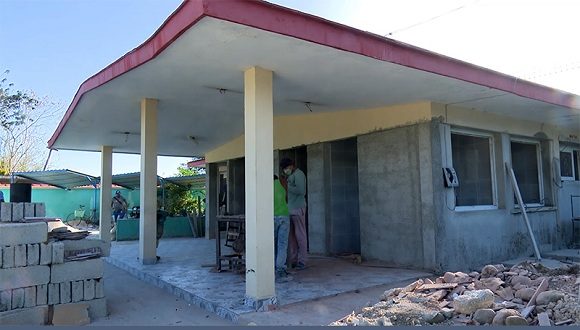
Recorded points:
(60,203)
(128,229)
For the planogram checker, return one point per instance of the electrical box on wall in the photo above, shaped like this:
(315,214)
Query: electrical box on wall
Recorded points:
(450,177)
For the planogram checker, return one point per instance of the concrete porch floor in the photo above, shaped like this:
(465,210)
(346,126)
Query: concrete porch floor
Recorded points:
(183,271)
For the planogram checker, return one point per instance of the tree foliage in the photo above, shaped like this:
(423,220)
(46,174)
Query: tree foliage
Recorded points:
(23,117)
(14,105)
(182,200)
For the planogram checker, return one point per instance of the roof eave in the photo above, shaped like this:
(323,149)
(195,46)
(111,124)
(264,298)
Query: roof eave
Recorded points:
(266,16)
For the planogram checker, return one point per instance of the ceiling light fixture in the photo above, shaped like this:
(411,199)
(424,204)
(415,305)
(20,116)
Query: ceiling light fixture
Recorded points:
(193,139)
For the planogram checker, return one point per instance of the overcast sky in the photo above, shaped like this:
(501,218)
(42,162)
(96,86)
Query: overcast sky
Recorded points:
(52,46)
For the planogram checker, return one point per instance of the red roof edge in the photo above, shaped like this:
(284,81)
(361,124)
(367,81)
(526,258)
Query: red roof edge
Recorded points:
(186,15)
(278,19)
(196,163)
(281,20)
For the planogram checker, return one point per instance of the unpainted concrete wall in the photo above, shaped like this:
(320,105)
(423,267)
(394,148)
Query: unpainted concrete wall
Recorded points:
(472,239)
(317,197)
(469,239)
(390,196)
(344,198)
(236,186)
(565,193)
(211,202)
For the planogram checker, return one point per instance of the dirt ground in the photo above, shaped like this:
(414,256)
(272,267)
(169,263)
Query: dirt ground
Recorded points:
(134,302)
(319,312)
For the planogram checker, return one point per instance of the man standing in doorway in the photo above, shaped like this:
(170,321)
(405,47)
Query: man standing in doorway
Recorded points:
(297,240)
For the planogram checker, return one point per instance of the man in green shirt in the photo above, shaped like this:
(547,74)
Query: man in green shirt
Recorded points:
(297,209)
(281,228)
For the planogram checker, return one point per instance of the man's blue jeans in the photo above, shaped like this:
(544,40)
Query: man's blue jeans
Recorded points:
(118,214)
(281,231)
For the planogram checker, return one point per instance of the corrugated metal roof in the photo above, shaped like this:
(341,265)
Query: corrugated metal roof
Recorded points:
(65,179)
(130,180)
(193,181)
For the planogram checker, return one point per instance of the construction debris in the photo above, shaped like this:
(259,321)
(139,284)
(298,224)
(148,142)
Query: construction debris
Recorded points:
(526,294)
(68,235)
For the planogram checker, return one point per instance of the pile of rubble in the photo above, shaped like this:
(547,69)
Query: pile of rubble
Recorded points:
(525,294)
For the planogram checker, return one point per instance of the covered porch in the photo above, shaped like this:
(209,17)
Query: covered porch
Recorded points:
(186,264)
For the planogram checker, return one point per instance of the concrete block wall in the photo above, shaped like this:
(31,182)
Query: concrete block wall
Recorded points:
(35,275)
(12,212)
(467,240)
(390,196)
(317,182)
(344,227)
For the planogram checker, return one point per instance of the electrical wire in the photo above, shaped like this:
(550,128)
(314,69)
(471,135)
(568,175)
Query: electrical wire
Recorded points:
(430,19)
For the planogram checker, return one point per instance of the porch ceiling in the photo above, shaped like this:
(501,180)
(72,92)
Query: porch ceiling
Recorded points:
(198,79)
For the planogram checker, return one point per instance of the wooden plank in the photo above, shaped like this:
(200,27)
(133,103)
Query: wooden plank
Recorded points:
(438,295)
(437,286)
(444,303)
(564,322)
(523,209)
(543,287)
(544,320)
(527,310)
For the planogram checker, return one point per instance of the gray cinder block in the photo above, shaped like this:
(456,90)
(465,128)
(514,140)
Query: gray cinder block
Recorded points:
(11,278)
(42,294)
(18,212)
(99,288)
(17,298)
(5,300)
(30,296)
(97,307)
(28,210)
(20,257)
(77,270)
(87,243)
(57,253)
(89,290)
(33,254)
(78,291)
(28,316)
(39,210)
(8,257)
(53,293)
(45,253)
(71,314)
(5,212)
(65,292)
(23,233)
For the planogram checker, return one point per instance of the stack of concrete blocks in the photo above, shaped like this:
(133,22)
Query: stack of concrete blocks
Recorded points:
(38,287)
(14,212)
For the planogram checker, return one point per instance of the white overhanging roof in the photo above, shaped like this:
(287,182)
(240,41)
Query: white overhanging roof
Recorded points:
(194,66)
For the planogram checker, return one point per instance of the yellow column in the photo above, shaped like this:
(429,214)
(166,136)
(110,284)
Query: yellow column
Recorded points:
(258,125)
(148,182)
(105,198)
